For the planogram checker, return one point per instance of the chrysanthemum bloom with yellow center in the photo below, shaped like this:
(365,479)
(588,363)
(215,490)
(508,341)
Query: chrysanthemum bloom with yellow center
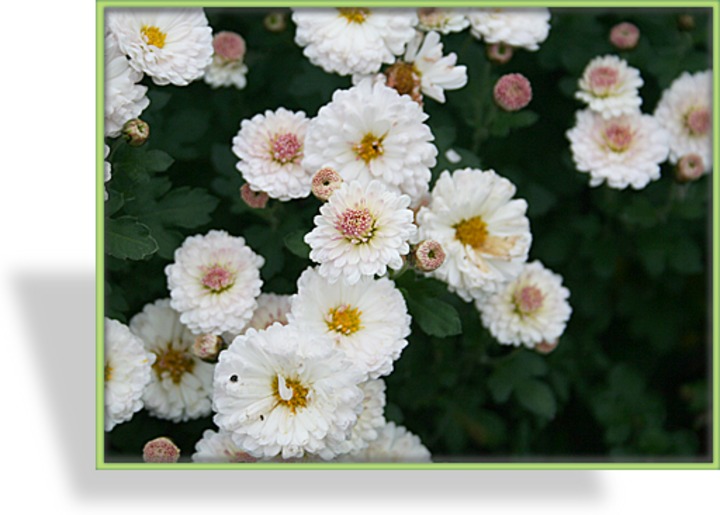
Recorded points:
(281,393)
(529,310)
(685,111)
(361,231)
(173,46)
(270,147)
(368,320)
(353,40)
(482,229)
(214,282)
(610,87)
(524,28)
(181,383)
(127,373)
(621,151)
(371,132)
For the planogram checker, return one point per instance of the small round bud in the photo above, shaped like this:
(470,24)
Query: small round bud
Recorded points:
(161,450)
(686,22)
(499,53)
(136,132)
(546,347)
(512,92)
(229,46)
(275,22)
(624,36)
(207,347)
(428,256)
(254,199)
(690,167)
(325,182)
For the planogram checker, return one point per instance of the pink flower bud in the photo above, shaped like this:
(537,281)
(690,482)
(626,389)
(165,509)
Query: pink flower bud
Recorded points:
(512,92)
(499,53)
(161,450)
(254,199)
(325,182)
(229,45)
(428,256)
(136,132)
(690,167)
(207,347)
(625,36)
(546,347)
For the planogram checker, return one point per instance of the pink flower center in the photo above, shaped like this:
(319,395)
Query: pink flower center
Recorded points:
(698,121)
(528,299)
(218,278)
(285,147)
(356,225)
(602,79)
(229,46)
(618,137)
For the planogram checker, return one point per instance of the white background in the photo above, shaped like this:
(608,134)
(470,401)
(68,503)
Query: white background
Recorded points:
(47,303)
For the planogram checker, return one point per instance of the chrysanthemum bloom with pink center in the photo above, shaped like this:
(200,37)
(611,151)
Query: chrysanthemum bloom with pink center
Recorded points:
(525,28)
(271,147)
(625,36)
(512,92)
(484,231)
(227,67)
(161,450)
(214,282)
(610,87)
(325,182)
(371,132)
(685,111)
(353,40)
(428,256)
(361,231)
(531,309)
(621,151)
(254,199)
(690,167)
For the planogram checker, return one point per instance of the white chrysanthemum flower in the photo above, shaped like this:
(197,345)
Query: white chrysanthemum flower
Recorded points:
(124,98)
(610,87)
(370,132)
(435,71)
(372,417)
(394,444)
(271,308)
(214,282)
(528,310)
(173,46)
(367,320)
(181,384)
(281,393)
(482,229)
(270,148)
(524,28)
(622,151)
(108,169)
(444,21)
(127,373)
(361,231)
(218,447)
(227,67)
(685,111)
(353,40)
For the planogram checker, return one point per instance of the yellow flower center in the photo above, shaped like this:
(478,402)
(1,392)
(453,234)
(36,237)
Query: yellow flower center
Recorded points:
(472,232)
(290,393)
(175,362)
(354,14)
(153,36)
(108,372)
(343,319)
(369,147)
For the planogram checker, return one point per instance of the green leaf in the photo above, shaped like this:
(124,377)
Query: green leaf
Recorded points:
(183,207)
(157,160)
(501,383)
(536,396)
(126,238)
(433,316)
(504,122)
(295,243)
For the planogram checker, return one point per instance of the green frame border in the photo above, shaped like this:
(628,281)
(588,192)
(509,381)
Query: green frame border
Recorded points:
(100,464)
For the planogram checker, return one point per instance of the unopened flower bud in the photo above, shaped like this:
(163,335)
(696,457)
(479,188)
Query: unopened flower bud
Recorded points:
(254,199)
(207,347)
(136,132)
(325,182)
(624,36)
(161,450)
(428,256)
(499,53)
(546,347)
(512,92)
(690,167)
(686,22)
(229,46)
(275,22)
